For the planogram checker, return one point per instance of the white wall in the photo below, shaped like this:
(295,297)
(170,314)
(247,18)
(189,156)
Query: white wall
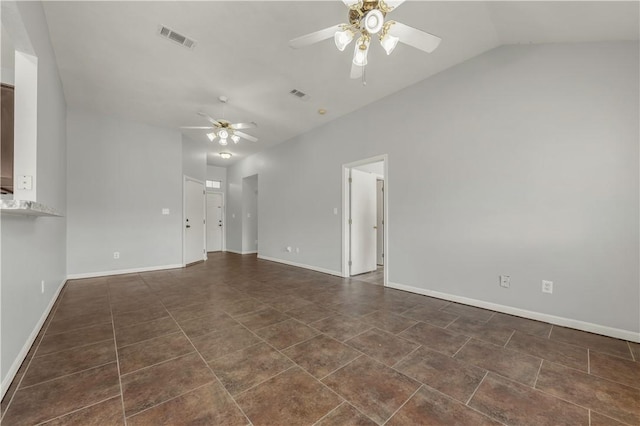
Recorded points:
(522,161)
(250,214)
(194,159)
(34,249)
(218,173)
(121,175)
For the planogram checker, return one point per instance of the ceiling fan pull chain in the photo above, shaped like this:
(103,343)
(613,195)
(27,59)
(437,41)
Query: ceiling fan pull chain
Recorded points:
(364,75)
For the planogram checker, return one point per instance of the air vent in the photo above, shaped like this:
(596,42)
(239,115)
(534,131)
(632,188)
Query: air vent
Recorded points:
(176,37)
(298,94)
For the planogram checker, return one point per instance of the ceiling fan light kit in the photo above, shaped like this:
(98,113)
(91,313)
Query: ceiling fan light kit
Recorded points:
(367,18)
(225,155)
(225,130)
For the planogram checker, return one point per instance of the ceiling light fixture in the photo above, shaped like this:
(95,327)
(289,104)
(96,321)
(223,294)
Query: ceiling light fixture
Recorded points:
(343,38)
(235,138)
(211,136)
(223,141)
(225,155)
(365,18)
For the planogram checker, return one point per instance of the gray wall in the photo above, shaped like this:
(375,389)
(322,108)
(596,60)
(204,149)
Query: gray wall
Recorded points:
(121,175)
(249,214)
(33,249)
(194,159)
(522,161)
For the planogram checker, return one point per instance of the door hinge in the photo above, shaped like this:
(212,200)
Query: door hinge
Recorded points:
(382,255)
(350,180)
(350,222)
(204,221)
(349,263)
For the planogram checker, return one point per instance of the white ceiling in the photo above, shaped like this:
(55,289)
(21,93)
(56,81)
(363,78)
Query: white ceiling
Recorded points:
(112,61)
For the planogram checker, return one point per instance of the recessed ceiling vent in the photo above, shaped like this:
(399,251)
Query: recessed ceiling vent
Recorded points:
(300,95)
(176,37)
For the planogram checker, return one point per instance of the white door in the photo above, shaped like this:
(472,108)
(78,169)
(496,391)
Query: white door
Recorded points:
(380,221)
(214,221)
(194,217)
(363,222)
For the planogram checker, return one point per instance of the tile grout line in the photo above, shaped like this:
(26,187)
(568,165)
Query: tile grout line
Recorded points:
(535,381)
(589,411)
(72,348)
(509,339)
(633,356)
(404,403)
(405,357)
(550,330)
(76,410)
(67,375)
(340,367)
(209,367)
(463,345)
(476,389)
(588,361)
(115,344)
(170,399)
(44,332)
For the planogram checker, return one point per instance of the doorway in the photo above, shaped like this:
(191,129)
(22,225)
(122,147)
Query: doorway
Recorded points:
(364,231)
(215,221)
(194,237)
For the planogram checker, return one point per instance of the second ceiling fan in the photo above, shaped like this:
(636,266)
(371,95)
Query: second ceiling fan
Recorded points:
(367,19)
(223,129)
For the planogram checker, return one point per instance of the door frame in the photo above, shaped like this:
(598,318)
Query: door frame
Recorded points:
(224,218)
(346,196)
(184,214)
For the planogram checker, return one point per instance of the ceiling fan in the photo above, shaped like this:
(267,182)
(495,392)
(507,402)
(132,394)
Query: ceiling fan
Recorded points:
(366,19)
(223,129)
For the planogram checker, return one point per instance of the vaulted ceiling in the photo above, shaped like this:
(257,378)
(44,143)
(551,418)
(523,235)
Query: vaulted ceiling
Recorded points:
(113,61)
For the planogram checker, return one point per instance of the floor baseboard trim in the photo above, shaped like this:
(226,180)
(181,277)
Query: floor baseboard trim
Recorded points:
(123,271)
(552,319)
(301,265)
(241,252)
(13,370)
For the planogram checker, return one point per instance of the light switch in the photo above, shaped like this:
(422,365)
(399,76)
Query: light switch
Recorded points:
(248,214)
(335,210)
(165,211)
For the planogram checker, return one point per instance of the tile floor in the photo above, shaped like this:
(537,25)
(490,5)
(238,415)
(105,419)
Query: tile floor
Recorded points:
(236,340)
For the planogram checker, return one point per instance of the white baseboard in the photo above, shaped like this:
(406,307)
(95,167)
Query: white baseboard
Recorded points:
(301,265)
(123,271)
(552,319)
(241,252)
(13,370)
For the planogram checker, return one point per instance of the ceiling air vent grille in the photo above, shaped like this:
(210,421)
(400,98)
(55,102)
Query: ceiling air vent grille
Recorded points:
(176,37)
(300,95)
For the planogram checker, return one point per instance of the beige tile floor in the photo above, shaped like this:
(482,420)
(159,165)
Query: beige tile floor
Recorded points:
(237,340)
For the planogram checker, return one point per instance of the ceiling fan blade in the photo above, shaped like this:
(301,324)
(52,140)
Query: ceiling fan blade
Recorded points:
(414,37)
(196,127)
(315,37)
(246,136)
(393,4)
(239,126)
(211,120)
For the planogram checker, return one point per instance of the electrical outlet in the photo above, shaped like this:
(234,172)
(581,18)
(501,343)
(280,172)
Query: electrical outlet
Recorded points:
(547,286)
(116,255)
(505,281)
(297,249)
(288,249)
(42,286)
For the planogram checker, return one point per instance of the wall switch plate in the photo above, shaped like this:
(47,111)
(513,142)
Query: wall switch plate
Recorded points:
(335,210)
(25,182)
(288,249)
(505,281)
(165,211)
(547,286)
(297,249)
(116,255)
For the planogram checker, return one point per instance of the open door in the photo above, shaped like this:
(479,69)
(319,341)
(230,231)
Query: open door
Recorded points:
(363,234)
